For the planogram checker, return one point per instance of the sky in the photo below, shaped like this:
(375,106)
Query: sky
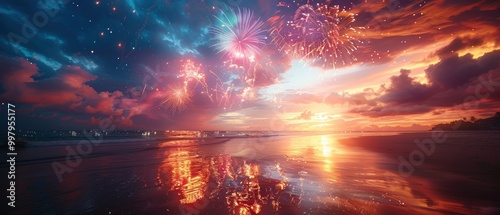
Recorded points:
(165,64)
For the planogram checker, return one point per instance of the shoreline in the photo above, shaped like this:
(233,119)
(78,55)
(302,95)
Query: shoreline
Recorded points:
(461,170)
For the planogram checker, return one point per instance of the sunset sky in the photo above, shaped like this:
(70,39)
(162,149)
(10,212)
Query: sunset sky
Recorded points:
(418,63)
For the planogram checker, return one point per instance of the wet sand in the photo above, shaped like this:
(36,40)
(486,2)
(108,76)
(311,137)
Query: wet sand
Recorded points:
(461,175)
(316,174)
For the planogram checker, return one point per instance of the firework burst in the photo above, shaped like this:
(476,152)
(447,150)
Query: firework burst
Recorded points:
(175,98)
(320,33)
(238,34)
(191,71)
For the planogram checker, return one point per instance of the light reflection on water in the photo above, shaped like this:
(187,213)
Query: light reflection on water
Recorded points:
(294,174)
(245,186)
(316,168)
(297,175)
(189,175)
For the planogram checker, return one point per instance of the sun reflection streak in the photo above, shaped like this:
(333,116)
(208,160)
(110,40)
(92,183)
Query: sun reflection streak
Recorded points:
(327,150)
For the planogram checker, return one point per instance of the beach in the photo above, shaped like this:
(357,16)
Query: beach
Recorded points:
(342,173)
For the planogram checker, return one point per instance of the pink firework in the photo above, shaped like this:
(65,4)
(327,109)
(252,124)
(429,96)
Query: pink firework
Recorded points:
(319,33)
(239,34)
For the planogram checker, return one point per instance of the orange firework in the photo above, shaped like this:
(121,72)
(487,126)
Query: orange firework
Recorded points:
(176,99)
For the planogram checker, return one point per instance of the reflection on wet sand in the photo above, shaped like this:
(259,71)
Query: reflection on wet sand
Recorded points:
(189,175)
(243,189)
(246,187)
(311,174)
(290,174)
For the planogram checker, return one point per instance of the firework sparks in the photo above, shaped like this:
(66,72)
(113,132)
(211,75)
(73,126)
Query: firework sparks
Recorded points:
(192,71)
(248,94)
(175,99)
(239,34)
(319,33)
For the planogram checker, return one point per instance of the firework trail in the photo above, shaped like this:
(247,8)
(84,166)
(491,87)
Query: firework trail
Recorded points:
(224,95)
(320,33)
(238,34)
(227,91)
(192,72)
(222,92)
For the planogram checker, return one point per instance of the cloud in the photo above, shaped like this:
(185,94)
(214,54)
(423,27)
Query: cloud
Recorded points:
(335,98)
(306,115)
(301,98)
(458,44)
(388,110)
(392,27)
(66,92)
(69,96)
(451,82)
(67,88)
(78,59)
(48,61)
(456,71)
(262,76)
(404,90)
(366,97)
